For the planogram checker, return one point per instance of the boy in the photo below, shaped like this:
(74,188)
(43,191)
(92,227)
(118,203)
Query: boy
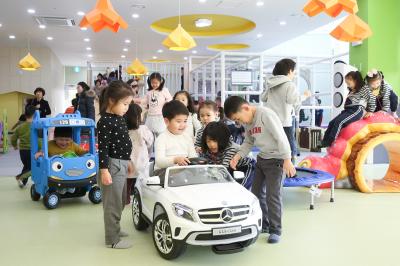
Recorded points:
(264,130)
(172,147)
(23,134)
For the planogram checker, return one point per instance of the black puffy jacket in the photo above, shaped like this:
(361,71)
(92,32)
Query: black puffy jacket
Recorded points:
(84,103)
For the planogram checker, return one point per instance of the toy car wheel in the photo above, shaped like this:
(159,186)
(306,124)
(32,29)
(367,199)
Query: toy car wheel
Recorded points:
(137,216)
(34,195)
(95,195)
(167,247)
(51,200)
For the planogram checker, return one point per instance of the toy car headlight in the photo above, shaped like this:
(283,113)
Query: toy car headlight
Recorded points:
(254,206)
(57,166)
(90,164)
(183,211)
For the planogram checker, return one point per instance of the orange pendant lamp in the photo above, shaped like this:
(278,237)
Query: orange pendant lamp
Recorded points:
(179,39)
(331,7)
(103,16)
(352,29)
(29,63)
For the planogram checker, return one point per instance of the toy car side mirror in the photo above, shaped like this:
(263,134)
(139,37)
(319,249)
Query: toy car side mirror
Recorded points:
(238,175)
(153,181)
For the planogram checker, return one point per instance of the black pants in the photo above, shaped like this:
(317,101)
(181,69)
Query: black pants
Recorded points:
(25,156)
(346,117)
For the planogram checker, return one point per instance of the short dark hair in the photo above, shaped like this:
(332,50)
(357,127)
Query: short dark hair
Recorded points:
(216,131)
(209,104)
(29,111)
(133,116)
(63,132)
(116,91)
(39,89)
(158,77)
(174,108)
(233,104)
(84,86)
(190,106)
(283,67)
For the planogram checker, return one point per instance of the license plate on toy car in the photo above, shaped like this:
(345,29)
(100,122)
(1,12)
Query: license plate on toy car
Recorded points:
(226,231)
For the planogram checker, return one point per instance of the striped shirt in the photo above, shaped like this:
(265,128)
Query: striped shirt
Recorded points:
(199,135)
(364,97)
(383,98)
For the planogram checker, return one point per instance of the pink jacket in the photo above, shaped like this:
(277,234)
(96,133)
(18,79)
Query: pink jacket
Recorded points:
(155,101)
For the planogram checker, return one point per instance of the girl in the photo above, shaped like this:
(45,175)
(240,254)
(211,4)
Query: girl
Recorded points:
(142,141)
(193,123)
(154,100)
(208,112)
(218,148)
(115,149)
(359,100)
(386,99)
(84,101)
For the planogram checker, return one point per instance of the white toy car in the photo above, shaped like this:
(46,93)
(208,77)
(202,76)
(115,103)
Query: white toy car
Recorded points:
(197,205)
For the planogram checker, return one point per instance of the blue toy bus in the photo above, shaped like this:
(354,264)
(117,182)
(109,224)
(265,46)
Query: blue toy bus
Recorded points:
(68,175)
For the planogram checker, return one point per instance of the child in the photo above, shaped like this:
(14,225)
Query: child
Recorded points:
(359,100)
(173,147)
(62,143)
(264,130)
(237,131)
(22,134)
(115,149)
(154,100)
(218,148)
(193,123)
(142,141)
(208,112)
(386,99)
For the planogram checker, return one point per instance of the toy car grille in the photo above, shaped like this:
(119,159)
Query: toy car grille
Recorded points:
(216,215)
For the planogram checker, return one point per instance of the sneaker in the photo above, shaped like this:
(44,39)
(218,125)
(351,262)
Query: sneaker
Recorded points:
(273,239)
(122,244)
(20,184)
(123,234)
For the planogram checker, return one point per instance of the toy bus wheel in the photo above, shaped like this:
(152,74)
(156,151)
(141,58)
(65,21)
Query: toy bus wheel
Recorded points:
(167,247)
(95,195)
(51,200)
(137,216)
(34,195)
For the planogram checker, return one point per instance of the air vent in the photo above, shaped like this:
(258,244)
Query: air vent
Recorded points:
(55,21)
(229,4)
(138,6)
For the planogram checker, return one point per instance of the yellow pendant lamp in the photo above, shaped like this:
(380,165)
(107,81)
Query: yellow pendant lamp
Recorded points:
(179,39)
(29,63)
(136,68)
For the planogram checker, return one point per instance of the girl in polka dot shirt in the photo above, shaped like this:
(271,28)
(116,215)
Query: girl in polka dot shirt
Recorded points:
(115,149)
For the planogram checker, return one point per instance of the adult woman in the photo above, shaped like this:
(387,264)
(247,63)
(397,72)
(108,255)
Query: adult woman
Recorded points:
(39,103)
(84,101)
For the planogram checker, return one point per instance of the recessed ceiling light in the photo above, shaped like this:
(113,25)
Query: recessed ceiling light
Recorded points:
(194,51)
(125,49)
(86,40)
(81,13)
(202,1)
(1,25)
(203,22)
(259,35)
(160,51)
(42,26)
(11,36)
(123,56)
(127,41)
(90,55)
(88,48)
(135,15)
(154,57)
(50,38)
(282,23)
(185,58)
(31,11)
(83,28)
(259,3)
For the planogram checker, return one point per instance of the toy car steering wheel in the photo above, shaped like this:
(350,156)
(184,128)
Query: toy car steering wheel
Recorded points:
(197,161)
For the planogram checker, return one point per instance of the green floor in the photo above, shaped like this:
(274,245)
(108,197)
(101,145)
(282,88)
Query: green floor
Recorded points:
(358,229)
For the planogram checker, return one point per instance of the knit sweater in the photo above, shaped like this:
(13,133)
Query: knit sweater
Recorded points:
(23,134)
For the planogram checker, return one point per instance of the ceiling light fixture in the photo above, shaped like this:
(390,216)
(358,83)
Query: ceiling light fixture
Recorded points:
(195,52)
(81,13)
(259,3)
(127,41)
(123,56)
(50,38)
(88,48)
(135,15)
(42,26)
(202,1)
(90,55)
(31,11)
(160,51)
(259,35)
(11,36)
(282,23)
(83,28)
(86,40)
(1,25)
(185,58)
(203,22)
(154,57)
(125,49)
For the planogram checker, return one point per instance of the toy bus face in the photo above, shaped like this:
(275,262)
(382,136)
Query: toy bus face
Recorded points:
(69,169)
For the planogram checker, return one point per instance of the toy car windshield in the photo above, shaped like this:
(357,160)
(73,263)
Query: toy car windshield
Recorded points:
(186,176)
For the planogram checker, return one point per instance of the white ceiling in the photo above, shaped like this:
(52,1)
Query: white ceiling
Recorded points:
(69,46)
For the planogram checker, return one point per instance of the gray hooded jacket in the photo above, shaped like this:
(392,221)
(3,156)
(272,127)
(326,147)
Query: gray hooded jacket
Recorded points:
(281,96)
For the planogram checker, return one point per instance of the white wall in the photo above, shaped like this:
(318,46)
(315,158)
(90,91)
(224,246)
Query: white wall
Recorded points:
(50,76)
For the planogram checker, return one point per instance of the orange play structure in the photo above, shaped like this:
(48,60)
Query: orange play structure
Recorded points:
(346,157)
